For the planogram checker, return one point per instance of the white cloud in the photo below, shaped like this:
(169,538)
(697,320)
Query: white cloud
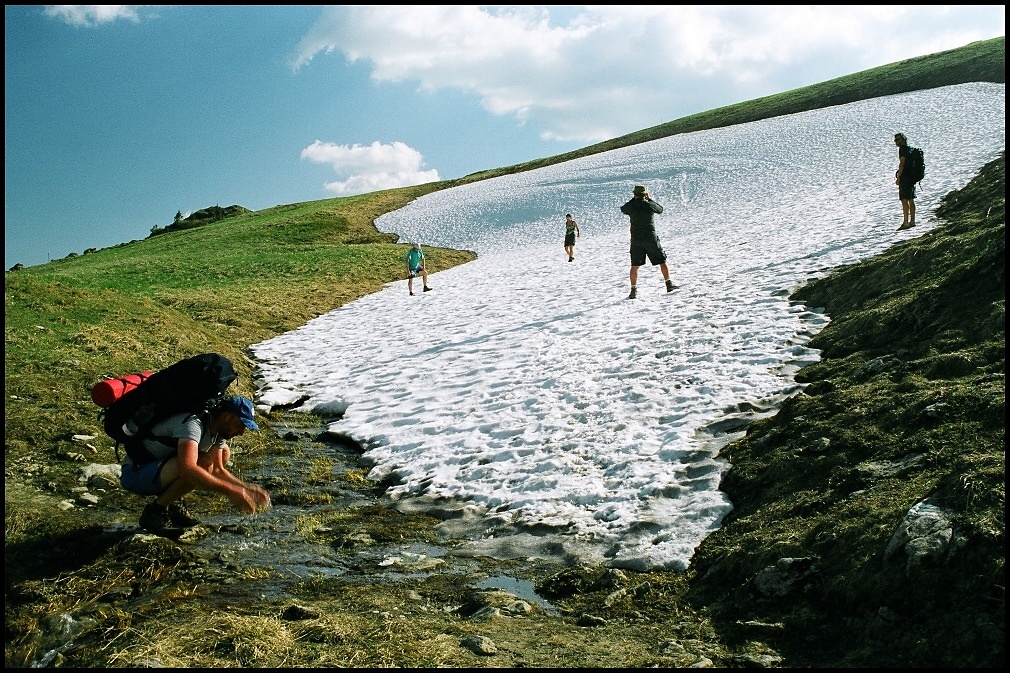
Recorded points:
(588,73)
(370,168)
(88,16)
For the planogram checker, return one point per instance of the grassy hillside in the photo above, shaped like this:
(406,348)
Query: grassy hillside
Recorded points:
(908,404)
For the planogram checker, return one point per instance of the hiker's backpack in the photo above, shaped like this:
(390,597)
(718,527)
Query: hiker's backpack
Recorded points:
(915,163)
(194,385)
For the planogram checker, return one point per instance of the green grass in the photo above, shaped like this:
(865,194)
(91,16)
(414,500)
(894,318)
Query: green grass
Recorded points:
(913,377)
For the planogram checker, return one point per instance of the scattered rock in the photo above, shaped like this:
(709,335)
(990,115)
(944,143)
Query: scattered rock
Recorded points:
(112,471)
(615,597)
(591,620)
(784,576)
(481,645)
(87,498)
(518,608)
(103,482)
(296,612)
(925,534)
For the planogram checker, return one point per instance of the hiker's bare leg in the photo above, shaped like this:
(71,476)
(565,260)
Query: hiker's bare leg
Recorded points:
(410,284)
(215,462)
(634,275)
(175,487)
(911,212)
(666,271)
(904,212)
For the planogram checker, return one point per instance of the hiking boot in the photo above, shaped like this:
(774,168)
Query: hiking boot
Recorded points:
(571,259)
(156,519)
(634,293)
(181,516)
(427,289)
(670,287)
(411,294)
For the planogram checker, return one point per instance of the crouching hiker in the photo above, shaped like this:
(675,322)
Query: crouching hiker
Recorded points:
(188,452)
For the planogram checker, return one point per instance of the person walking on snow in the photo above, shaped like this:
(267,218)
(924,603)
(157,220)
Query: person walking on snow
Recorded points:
(571,232)
(415,267)
(641,209)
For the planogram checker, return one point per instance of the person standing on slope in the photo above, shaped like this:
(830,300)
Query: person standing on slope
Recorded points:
(416,267)
(571,232)
(641,209)
(906,183)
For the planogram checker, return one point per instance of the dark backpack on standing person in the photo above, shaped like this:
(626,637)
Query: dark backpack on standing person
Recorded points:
(195,385)
(915,164)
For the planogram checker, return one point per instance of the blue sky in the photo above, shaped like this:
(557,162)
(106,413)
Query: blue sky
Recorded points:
(118,116)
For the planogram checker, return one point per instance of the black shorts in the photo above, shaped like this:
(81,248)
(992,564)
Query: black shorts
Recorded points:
(640,249)
(906,191)
(569,239)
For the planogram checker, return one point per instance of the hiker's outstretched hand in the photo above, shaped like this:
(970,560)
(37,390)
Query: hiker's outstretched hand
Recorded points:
(261,497)
(251,499)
